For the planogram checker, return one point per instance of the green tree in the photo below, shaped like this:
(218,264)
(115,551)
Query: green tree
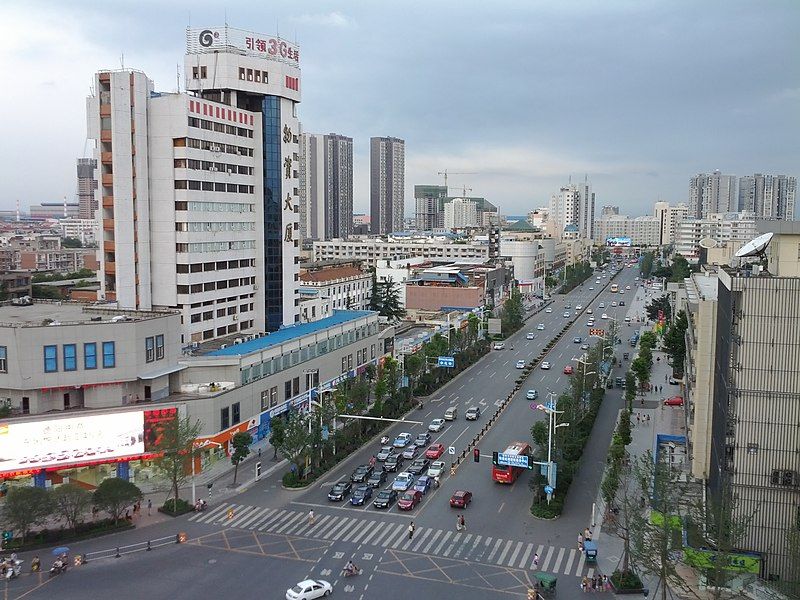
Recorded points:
(473,323)
(241,448)
(675,344)
(25,507)
(277,435)
(642,371)
(175,444)
(390,300)
(624,427)
(115,495)
(680,269)
(70,242)
(414,364)
(630,390)
(646,265)
(71,502)
(513,312)
(296,440)
(375,297)
(659,304)
(44,292)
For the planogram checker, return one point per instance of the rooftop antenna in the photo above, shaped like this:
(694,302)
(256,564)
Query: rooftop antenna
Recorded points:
(570,180)
(178,76)
(122,61)
(65,207)
(17,210)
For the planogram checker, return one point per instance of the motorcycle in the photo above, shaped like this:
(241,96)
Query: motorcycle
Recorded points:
(60,566)
(351,572)
(13,569)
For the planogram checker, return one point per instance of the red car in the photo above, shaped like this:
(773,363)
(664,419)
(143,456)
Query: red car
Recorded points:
(674,401)
(460,499)
(568,370)
(409,499)
(434,451)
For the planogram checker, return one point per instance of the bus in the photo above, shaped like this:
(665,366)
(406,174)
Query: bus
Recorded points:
(614,288)
(506,474)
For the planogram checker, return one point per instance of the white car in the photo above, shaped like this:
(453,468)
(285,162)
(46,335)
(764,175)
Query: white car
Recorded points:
(627,319)
(597,282)
(601,305)
(545,365)
(627,287)
(604,316)
(549,309)
(436,425)
(520,364)
(590,323)
(567,314)
(613,304)
(499,346)
(591,288)
(436,469)
(402,440)
(588,311)
(309,589)
(532,395)
(636,279)
(402,482)
(621,292)
(530,336)
(540,327)
(579,307)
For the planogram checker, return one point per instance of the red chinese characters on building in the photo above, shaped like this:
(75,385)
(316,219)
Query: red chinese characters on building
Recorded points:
(273,47)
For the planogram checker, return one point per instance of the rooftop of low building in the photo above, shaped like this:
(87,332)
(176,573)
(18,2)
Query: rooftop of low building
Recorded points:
(63,312)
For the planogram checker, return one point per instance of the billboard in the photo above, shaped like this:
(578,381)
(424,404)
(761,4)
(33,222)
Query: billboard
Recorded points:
(619,241)
(69,441)
(249,43)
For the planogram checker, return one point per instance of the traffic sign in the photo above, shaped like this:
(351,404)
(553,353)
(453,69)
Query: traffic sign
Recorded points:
(451,450)
(548,490)
(512,460)
(447,362)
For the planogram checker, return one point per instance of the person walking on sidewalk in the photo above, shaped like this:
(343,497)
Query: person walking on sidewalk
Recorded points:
(149,507)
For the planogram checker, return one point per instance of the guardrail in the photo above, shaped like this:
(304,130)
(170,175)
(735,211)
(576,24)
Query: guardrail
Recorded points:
(120,551)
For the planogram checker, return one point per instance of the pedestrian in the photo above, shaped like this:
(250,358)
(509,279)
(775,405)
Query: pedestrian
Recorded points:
(535,559)
(411,529)
(149,506)
(584,584)
(95,512)
(648,419)
(311,517)
(587,535)
(594,584)
(580,538)
(638,418)
(665,377)
(606,583)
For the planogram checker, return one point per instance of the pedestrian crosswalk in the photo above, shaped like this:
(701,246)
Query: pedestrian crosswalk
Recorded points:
(391,535)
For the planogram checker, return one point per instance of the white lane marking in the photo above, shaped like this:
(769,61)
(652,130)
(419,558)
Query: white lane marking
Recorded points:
(513,558)
(558,560)
(444,540)
(425,535)
(272,519)
(547,558)
(524,560)
(505,551)
(570,560)
(318,526)
(501,507)
(459,435)
(290,522)
(494,550)
(433,541)
(538,553)
(200,517)
(452,546)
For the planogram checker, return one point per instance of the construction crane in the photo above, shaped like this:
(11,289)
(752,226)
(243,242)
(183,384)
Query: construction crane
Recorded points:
(463,189)
(446,173)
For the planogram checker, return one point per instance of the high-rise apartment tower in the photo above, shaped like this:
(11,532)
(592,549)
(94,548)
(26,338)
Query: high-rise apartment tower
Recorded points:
(387,159)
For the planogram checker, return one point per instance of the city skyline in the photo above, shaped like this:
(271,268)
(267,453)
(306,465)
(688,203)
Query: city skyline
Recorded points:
(667,111)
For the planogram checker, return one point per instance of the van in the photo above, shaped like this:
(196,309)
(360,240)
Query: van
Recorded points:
(451,414)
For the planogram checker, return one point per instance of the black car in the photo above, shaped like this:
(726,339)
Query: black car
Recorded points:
(392,463)
(361,474)
(419,466)
(377,479)
(385,499)
(622,302)
(340,491)
(360,496)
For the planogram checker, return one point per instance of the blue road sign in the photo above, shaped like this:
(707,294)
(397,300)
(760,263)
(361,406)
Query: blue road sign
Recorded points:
(448,362)
(512,460)
(548,490)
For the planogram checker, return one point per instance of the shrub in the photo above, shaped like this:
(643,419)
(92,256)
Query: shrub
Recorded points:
(175,509)
(626,580)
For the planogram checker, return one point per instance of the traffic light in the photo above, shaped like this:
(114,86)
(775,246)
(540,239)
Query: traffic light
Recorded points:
(476,455)
(494,458)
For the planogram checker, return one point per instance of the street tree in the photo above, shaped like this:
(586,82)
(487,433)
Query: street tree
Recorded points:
(473,323)
(115,495)
(680,269)
(414,364)
(641,369)
(513,312)
(674,342)
(656,305)
(71,502)
(240,442)
(25,507)
(175,444)
(646,265)
(630,389)
(277,434)
(296,440)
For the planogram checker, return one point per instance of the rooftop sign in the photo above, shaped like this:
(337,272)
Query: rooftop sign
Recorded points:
(239,41)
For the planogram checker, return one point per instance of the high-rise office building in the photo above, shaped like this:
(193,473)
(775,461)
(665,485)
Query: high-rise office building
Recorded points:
(768,196)
(429,200)
(199,190)
(668,218)
(326,186)
(87,187)
(387,159)
(574,205)
(712,193)
(459,213)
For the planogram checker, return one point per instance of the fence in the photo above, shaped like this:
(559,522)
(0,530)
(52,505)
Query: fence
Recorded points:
(120,551)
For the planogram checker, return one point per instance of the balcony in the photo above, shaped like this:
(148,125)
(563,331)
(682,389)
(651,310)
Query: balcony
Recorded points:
(111,268)
(111,296)
(105,110)
(105,135)
(105,158)
(108,224)
(109,246)
(108,201)
(108,179)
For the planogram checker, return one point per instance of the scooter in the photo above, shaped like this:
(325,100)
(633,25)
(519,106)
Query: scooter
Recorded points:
(60,566)
(351,573)
(13,569)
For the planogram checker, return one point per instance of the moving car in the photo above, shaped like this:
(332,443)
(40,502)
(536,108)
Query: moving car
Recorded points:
(545,365)
(590,323)
(613,303)
(604,316)
(579,307)
(423,483)
(309,589)
(377,479)
(385,498)
(460,499)
(588,311)
(361,474)
(532,395)
(601,305)
(577,339)
(403,481)
(499,346)
(627,319)
(410,453)
(549,309)
(434,451)
(540,327)
(674,401)
(627,287)
(436,469)
(451,414)
(472,414)
(567,314)
(384,453)
(419,466)
(394,462)
(530,336)
(622,302)
(584,346)
(409,499)
(568,370)
(340,491)
(520,364)
(423,439)
(360,495)
(402,440)
(591,288)
(436,425)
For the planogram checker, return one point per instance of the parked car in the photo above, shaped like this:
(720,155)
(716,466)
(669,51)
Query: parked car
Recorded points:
(674,401)
(436,469)
(384,453)
(601,305)
(419,466)
(532,395)
(588,310)
(377,479)
(408,500)
(567,314)
(604,316)
(545,365)
(385,498)
(530,336)
(520,364)
(402,440)
(460,499)
(674,381)
(613,303)
(403,481)
(340,491)
(393,463)
(622,302)
(361,495)
(499,346)
(436,425)
(627,319)
(361,474)
(578,307)
(423,439)
(423,484)
(434,451)
(309,589)
(472,414)
(568,370)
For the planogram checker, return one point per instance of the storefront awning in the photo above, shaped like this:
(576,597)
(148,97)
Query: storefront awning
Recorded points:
(161,372)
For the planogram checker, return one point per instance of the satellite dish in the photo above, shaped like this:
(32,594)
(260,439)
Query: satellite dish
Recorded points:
(755,247)
(707,243)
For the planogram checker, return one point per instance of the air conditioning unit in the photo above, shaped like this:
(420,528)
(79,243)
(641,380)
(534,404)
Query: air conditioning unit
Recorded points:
(238,341)
(223,346)
(255,286)
(214,169)
(235,317)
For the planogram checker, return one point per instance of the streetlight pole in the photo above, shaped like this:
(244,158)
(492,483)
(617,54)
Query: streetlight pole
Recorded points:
(550,409)
(194,470)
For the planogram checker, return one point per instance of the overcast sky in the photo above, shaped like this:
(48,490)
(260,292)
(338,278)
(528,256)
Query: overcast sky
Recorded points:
(638,95)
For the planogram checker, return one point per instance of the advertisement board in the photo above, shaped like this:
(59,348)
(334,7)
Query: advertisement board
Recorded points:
(619,241)
(249,43)
(70,440)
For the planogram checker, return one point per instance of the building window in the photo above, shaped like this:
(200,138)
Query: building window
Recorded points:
(70,357)
(349,361)
(90,355)
(3,359)
(287,390)
(224,418)
(159,347)
(296,386)
(235,413)
(265,400)
(203,74)
(241,73)
(273,396)
(150,349)
(50,359)
(372,351)
(109,355)
(194,72)
(26,405)
(344,364)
